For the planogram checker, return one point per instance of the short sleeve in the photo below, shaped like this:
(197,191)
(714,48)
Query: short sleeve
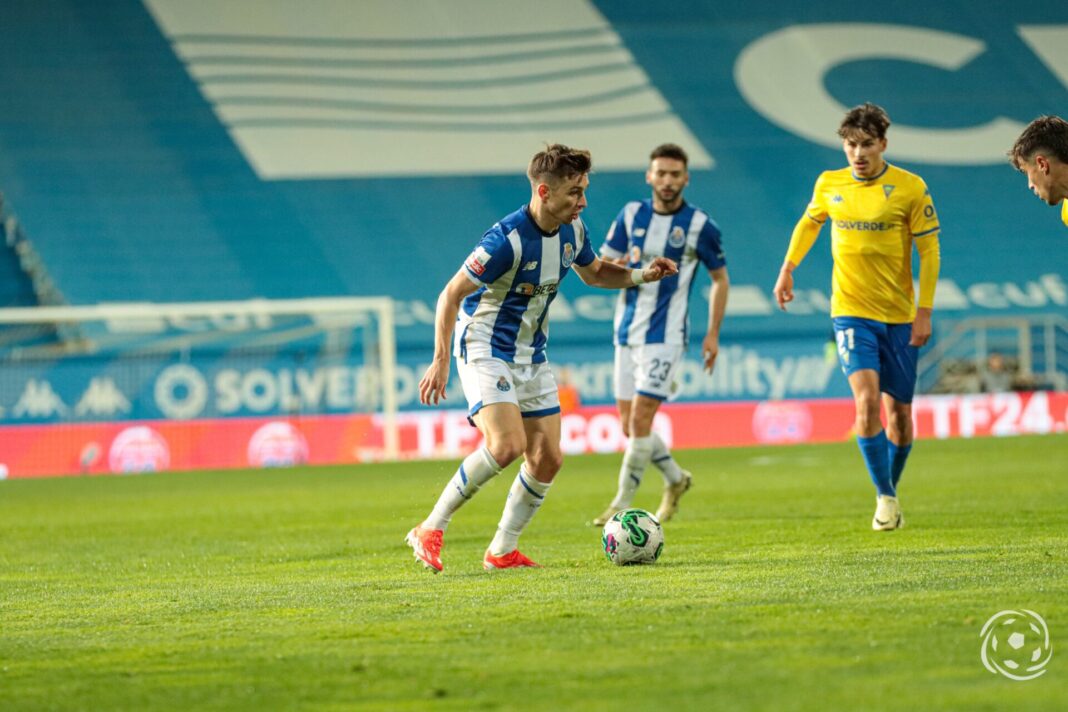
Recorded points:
(491,258)
(923,220)
(710,246)
(585,252)
(817,206)
(616,242)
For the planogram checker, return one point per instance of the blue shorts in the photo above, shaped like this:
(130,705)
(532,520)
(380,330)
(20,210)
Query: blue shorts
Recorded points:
(881,347)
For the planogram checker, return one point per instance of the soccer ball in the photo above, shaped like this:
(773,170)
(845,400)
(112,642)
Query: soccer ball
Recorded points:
(632,536)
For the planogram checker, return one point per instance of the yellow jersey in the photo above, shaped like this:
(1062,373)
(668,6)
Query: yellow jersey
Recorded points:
(1064,211)
(873,225)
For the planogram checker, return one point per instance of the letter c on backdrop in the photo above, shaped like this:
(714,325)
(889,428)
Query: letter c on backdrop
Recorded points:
(781,76)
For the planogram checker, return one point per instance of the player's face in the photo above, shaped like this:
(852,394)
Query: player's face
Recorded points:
(1040,179)
(567,198)
(668,177)
(864,153)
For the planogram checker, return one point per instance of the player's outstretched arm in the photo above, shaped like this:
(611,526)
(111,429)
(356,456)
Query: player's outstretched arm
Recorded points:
(432,385)
(602,273)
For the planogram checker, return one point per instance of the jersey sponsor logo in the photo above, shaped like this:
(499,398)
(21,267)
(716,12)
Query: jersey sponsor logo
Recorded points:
(677,237)
(888,189)
(530,290)
(569,255)
(863,225)
(503,385)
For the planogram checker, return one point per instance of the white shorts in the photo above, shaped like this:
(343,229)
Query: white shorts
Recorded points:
(647,369)
(532,387)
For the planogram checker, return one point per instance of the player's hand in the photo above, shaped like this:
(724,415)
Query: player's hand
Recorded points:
(921,328)
(659,268)
(784,288)
(432,385)
(709,350)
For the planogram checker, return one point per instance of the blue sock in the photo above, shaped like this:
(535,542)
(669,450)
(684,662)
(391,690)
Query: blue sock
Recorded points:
(898,456)
(876,457)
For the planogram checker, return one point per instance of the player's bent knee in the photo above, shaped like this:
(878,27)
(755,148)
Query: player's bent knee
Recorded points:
(506,450)
(546,464)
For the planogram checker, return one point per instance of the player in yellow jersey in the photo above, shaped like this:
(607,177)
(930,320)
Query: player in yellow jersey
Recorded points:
(1041,153)
(877,213)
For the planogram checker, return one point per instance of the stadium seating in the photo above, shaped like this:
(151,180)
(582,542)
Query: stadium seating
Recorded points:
(138,177)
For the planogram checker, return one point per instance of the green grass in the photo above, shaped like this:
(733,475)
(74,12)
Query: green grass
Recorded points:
(293,590)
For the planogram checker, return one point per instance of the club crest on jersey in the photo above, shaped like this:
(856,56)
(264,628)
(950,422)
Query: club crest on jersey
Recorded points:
(477,261)
(888,189)
(569,255)
(503,385)
(677,237)
(635,254)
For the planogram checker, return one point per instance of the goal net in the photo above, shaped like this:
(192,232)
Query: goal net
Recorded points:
(140,386)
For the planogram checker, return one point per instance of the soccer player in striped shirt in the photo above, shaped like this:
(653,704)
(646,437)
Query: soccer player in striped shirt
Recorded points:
(498,304)
(877,213)
(1041,153)
(651,321)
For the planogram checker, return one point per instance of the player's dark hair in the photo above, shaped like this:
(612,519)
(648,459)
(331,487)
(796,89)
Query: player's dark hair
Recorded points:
(1046,134)
(559,162)
(670,150)
(869,118)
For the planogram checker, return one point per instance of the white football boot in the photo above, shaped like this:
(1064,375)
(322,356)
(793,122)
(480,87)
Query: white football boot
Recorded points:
(601,519)
(669,501)
(887,514)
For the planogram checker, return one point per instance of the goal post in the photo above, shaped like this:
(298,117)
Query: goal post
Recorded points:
(304,366)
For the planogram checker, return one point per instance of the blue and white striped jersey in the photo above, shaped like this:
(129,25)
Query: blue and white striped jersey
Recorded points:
(519,269)
(658,313)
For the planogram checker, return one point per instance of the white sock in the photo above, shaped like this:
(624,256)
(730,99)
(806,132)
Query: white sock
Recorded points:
(664,462)
(635,460)
(476,470)
(524,498)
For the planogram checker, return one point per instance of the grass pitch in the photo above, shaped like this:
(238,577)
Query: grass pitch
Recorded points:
(293,589)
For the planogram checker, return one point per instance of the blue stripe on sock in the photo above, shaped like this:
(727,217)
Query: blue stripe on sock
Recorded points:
(463,475)
(525,485)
